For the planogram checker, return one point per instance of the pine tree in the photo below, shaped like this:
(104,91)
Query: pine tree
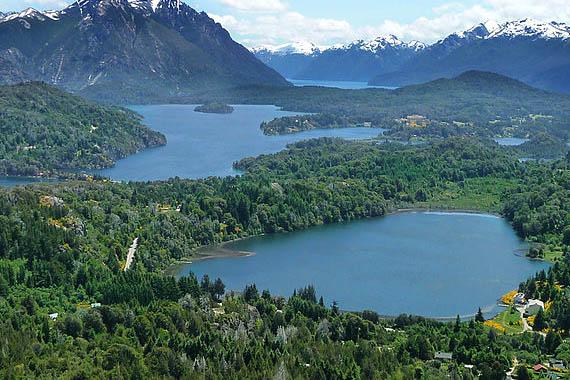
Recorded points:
(479,317)
(539,321)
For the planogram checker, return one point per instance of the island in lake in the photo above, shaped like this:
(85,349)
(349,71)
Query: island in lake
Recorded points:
(214,108)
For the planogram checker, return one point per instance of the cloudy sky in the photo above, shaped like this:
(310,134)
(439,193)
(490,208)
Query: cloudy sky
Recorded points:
(326,22)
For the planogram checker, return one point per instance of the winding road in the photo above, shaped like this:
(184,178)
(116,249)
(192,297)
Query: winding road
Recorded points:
(131,254)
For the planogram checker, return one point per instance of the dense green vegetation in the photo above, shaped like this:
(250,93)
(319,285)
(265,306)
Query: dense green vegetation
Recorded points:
(475,102)
(292,124)
(62,247)
(542,146)
(43,129)
(214,108)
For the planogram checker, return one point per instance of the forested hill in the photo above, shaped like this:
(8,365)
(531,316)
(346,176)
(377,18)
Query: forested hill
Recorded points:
(43,128)
(486,100)
(68,311)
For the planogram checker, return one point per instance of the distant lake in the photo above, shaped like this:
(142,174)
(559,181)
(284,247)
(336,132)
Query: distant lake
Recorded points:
(347,85)
(202,145)
(510,141)
(15,181)
(425,263)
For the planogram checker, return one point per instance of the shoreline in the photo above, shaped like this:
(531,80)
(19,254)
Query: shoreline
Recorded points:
(221,251)
(208,252)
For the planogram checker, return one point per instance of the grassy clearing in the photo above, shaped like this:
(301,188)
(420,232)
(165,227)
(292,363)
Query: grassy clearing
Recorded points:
(481,194)
(510,319)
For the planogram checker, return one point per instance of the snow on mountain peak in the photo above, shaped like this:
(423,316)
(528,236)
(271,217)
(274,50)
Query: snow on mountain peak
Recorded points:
(382,43)
(531,28)
(31,13)
(512,29)
(379,43)
(417,45)
(301,47)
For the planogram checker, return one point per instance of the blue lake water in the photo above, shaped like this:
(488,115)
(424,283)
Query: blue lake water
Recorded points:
(15,181)
(431,264)
(510,141)
(347,85)
(202,145)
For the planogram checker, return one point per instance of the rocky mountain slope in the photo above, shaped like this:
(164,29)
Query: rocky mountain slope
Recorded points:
(126,50)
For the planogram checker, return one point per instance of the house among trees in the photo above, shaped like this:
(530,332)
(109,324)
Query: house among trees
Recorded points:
(533,307)
(540,368)
(443,355)
(519,299)
(557,363)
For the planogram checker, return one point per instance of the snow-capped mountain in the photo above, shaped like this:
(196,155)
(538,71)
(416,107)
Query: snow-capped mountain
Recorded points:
(382,43)
(359,60)
(535,52)
(288,59)
(125,50)
(530,28)
(30,13)
(530,50)
(304,48)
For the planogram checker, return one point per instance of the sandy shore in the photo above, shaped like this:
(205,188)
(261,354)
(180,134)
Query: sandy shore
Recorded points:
(210,252)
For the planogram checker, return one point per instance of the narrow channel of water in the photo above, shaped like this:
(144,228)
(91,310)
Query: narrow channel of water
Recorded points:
(202,145)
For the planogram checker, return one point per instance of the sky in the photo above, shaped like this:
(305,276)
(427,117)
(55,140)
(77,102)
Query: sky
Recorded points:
(328,22)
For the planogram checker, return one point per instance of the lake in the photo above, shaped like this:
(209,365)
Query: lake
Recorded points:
(510,141)
(201,145)
(347,85)
(425,263)
(15,181)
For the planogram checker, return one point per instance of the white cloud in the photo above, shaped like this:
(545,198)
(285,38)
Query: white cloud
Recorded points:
(228,21)
(255,6)
(287,26)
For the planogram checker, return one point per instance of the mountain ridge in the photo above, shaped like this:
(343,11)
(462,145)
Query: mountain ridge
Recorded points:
(125,51)
(535,52)
(358,60)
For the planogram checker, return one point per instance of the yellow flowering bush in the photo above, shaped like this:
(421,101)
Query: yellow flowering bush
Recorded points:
(530,320)
(495,325)
(509,297)
(547,305)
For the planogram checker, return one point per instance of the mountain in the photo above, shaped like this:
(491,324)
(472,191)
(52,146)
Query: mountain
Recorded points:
(534,52)
(288,59)
(358,61)
(126,50)
(43,128)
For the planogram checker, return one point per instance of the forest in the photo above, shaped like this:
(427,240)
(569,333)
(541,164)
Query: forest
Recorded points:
(473,103)
(63,248)
(214,108)
(43,129)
